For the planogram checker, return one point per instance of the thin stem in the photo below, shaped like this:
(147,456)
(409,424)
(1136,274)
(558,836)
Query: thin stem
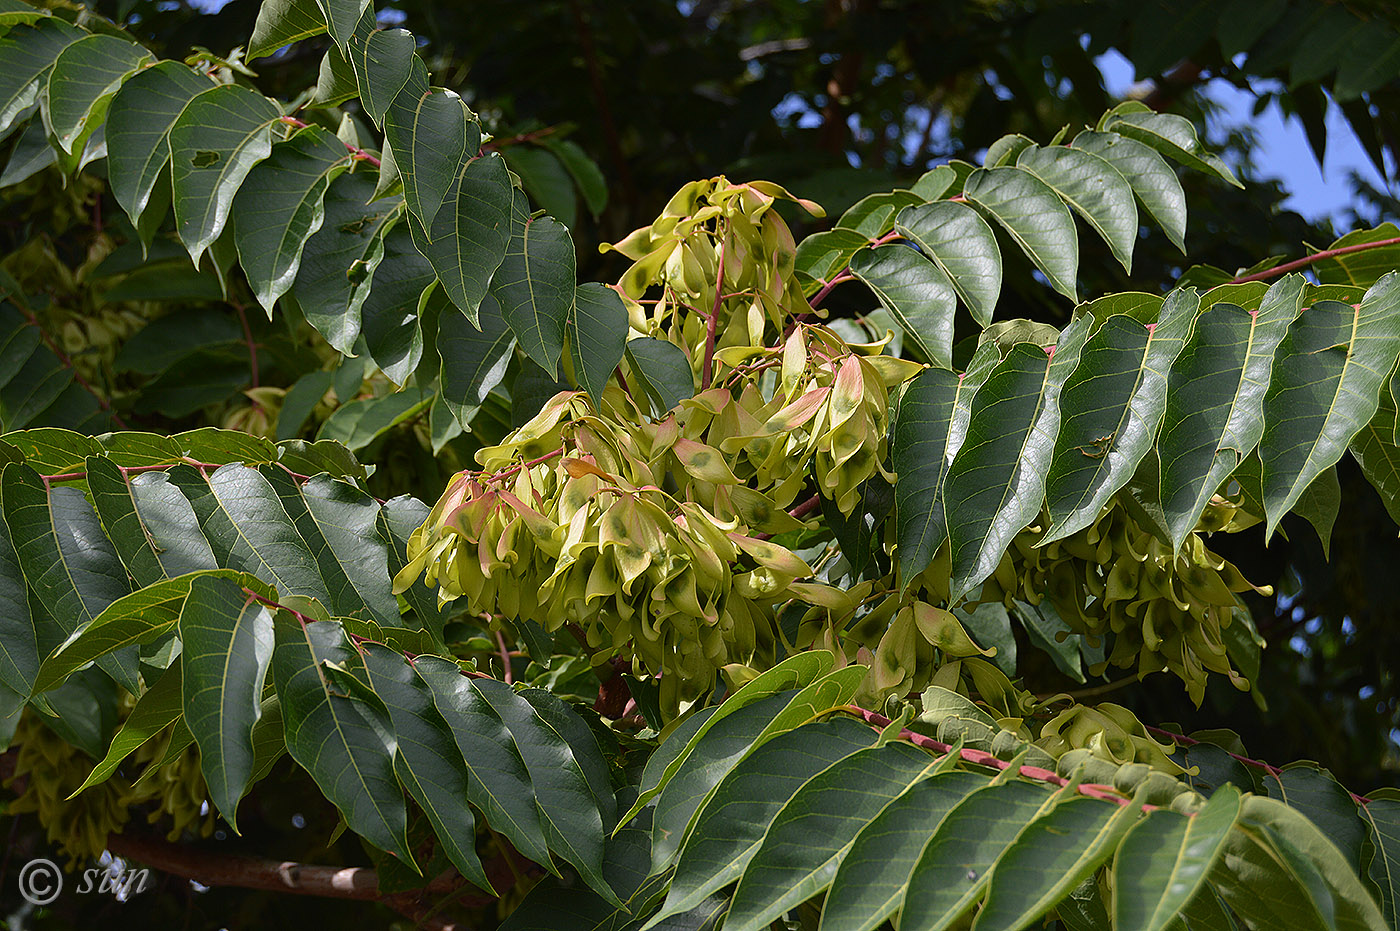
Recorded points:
(799,511)
(524,465)
(1102,689)
(1257,764)
(845,273)
(355,151)
(67,363)
(505,658)
(248,339)
(496,144)
(713,322)
(982,758)
(1293,266)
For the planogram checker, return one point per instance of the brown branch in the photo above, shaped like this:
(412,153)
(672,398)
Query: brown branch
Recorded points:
(1296,264)
(229,869)
(497,144)
(600,99)
(1173,84)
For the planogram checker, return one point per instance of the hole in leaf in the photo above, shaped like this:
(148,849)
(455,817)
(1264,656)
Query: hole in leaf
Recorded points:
(204,158)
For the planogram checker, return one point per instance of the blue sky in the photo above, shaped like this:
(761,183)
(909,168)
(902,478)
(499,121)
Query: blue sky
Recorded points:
(1285,152)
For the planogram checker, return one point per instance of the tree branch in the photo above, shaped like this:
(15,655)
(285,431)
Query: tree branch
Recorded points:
(1304,262)
(228,869)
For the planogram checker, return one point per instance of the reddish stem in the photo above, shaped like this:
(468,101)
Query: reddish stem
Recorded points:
(505,658)
(355,151)
(799,511)
(67,363)
(1257,764)
(1287,267)
(248,339)
(713,323)
(524,465)
(982,758)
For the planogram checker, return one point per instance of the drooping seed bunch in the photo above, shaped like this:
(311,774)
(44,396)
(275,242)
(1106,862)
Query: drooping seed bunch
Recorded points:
(569,524)
(50,769)
(1166,610)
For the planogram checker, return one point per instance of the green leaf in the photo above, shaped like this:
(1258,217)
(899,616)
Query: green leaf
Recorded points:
(935,182)
(1280,871)
(137,618)
(535,285)
(84,77)
(360,422)
(1035,218)
(279,207)
(282,22)
(389,314)
(345,520)
(1365,267)
(341,17)
(217,139)
(663,369)
(996,480)
(797,671)
(344,742)
(431,134)
(339,259)
(1311,790)
(1112,405)
(383,61)
(873,216)
(157,709)
(964,246)
(1093,188)
(1215,400)
(1004,151)
(730,826)
(1164,860)
(1375,449)
(427,760)
(597,330)
(920,457)
(572,822)
(953,869)
(1382,817)
(874,877)
(1328,374)
(66,557)
(1050,857)
(474,359)
(808,839)
(299,402)
(398,518)
(545,180)
(1152,180)
(28,52)
(498,781)
(227,639)
(916,292)
(31,154)
(727,742)
(148,520)
(1173,136)
(249,531)
(588,178)
(19,638)
(822,255)
(468,241)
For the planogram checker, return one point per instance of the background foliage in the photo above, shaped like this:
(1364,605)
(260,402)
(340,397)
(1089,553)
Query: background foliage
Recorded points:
(109,325)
